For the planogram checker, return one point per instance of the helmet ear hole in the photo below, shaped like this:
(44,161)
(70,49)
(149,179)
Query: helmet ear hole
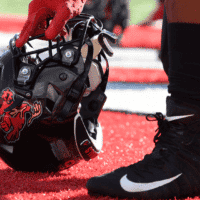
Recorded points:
(51,97)
(49,104)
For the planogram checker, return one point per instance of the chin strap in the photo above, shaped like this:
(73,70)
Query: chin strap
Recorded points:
(92,104)
(74,96)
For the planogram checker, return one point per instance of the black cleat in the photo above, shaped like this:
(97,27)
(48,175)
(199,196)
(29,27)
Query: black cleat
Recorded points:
(173,167)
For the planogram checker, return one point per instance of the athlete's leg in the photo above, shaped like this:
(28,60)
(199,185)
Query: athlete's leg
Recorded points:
(164,56)
(183,43)
(183,11)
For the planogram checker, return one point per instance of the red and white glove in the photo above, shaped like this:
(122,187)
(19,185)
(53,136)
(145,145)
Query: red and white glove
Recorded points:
(40,10)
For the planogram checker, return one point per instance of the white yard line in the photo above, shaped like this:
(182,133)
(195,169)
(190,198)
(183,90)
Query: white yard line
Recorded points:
(136,98)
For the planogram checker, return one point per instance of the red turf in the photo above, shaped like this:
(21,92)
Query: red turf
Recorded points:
(137,75)
(11,23)
(141,36)
(127,138)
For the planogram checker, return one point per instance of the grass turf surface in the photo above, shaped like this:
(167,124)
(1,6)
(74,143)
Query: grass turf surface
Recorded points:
(127,138)
(14,7)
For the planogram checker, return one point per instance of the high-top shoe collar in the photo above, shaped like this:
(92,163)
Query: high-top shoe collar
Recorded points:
(179,108)
(181,112)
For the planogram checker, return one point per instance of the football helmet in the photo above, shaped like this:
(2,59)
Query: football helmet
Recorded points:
(51,98)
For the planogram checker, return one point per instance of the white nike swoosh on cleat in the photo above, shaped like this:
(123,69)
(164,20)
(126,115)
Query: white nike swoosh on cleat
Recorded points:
(130,186)
(177,117)
(7,148)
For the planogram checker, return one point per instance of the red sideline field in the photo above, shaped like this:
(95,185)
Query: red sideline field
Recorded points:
(11,23)
(127,138)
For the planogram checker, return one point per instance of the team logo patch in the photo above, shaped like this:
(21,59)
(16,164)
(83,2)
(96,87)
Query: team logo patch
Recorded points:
(13,122)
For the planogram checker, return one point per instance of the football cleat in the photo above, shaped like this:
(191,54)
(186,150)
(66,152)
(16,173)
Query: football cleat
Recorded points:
(173,167)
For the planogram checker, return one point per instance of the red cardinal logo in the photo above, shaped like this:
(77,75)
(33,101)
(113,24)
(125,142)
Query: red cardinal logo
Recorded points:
(12,122)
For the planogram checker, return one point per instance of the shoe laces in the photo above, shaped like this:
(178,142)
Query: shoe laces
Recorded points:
(167,141)
(167,132)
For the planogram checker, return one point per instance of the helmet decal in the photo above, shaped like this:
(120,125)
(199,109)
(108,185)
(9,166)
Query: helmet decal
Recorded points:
(13,122)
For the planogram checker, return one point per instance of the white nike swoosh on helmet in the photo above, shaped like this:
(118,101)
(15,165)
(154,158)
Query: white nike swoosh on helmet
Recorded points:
(7,148)
(177,117)
(130,186)
(98,142)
